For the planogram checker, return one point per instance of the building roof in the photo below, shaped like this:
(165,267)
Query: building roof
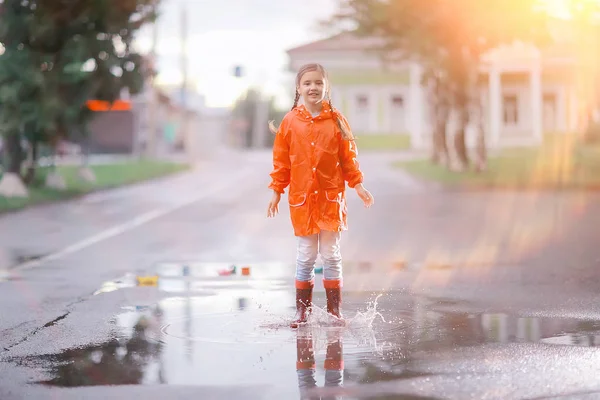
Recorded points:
(343,41)
(347,41)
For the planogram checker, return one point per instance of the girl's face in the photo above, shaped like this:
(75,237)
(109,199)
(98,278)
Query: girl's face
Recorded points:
(312,87)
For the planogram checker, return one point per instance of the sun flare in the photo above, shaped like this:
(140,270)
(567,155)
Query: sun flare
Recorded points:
(565,8)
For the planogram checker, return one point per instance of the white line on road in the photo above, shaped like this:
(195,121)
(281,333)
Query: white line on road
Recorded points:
(129,225)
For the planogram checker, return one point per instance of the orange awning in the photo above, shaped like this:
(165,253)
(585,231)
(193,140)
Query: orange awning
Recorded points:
(99,105)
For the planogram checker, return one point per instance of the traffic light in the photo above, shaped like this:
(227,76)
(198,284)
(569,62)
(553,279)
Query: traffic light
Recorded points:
(237,72)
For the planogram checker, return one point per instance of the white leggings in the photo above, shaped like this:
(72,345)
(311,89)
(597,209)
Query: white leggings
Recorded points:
(327,244)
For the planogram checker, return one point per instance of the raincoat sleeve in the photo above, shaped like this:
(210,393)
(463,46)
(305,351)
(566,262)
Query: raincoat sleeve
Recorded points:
(348,154)
(280,176)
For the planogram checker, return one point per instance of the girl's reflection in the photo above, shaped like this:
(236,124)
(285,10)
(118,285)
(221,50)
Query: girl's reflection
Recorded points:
(306,366)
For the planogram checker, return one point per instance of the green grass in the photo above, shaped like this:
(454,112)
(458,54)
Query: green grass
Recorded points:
(368,141)
(562,162)
(107,176)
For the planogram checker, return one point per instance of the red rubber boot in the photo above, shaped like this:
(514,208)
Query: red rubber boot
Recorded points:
(304,292)
(333,291)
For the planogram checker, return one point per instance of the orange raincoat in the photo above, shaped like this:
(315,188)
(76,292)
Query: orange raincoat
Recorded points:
(310,155)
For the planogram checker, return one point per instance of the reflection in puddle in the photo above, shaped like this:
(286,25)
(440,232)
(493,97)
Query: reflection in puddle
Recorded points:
(198,277)
(447,328)
(232,331)
(120,361)
(238,337)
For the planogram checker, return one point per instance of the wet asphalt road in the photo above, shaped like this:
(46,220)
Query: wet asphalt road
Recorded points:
(482,295)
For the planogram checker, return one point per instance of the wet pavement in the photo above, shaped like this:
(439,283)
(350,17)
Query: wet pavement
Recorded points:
(447,295)
(231,331)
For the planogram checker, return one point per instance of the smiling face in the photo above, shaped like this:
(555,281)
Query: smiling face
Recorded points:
(312,87)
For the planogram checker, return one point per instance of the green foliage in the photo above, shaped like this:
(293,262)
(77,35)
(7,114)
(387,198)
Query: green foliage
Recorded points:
(58,54)
(448,37)
(559,163)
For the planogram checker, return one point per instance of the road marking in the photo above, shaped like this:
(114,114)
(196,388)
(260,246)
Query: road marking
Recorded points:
(127,226)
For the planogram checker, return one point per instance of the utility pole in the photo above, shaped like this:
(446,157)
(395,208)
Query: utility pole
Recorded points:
(153,100)
(184,60)
(184,75)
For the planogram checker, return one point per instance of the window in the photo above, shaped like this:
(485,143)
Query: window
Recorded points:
(550,98)
(397,101)
(549,111)
(362,102)
(510,106)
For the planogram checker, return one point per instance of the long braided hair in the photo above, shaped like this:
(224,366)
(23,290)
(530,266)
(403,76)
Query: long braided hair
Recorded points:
(341,123)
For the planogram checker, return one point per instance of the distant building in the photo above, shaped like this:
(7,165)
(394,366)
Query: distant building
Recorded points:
(526,92)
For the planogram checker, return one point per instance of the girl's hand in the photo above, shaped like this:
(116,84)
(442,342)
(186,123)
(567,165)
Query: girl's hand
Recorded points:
(364,195)
(274,205)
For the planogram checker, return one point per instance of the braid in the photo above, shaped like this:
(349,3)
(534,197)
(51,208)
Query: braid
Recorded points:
(329,101)
(296,99)
(344,128)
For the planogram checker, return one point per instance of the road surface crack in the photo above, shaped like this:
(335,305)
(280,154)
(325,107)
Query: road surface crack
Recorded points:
(37,330)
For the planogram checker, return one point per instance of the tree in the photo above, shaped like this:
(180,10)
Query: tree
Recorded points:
(586,20)
(57,56)
(448,38)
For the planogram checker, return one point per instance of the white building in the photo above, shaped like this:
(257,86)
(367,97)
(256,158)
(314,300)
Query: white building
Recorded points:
(525,91)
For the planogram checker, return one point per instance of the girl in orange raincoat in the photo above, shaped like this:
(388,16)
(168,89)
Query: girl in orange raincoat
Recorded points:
(315,154)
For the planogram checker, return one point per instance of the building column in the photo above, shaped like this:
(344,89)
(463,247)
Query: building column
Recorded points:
(374,98)
(561,109)
(381,111)
(416,106)
(537,122)
(495,104)
(573,109)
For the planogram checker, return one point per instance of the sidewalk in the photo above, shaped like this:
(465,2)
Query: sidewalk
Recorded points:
(102,159)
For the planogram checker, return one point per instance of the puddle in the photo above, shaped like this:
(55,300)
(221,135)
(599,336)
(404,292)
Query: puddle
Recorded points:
(203,277)
(232,331)
(240,337)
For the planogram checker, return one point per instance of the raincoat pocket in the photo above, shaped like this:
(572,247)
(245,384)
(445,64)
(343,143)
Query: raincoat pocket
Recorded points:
(333,195)
(296,200)
(334,208)
(299,213)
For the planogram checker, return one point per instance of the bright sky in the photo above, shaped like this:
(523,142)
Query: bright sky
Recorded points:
(562,8)
(225,33)
(251,33)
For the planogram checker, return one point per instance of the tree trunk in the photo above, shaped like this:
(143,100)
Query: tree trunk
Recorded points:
(13,153)
(11,184)
(480,149)
(54,180)
(86,174)
(440,154)
(460,146)
(31,168)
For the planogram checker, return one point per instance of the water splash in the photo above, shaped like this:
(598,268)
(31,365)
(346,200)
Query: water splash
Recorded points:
(359,330)
(365,319)
(362,319)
